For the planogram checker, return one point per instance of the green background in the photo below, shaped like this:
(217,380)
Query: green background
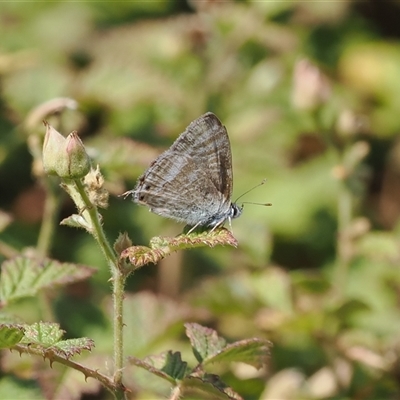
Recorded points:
(318,272)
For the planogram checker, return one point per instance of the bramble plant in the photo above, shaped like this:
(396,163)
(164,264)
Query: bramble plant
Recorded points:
(35,275)
(309,93)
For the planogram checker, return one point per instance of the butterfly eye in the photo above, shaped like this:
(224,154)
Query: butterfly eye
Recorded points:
(141,197)
(147,187)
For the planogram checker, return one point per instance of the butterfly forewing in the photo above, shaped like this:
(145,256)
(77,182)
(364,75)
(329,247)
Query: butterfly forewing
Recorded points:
(191,181)
(206,141)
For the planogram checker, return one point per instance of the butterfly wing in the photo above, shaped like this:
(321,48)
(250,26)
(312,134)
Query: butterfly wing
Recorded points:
(191,181)
(206,141)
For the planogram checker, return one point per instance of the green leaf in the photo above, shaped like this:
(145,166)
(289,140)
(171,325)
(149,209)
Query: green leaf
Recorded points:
(253,351)
(210,385)
(46,337)
(167,365)
(123,242)
(24,277)
(205,341)
(10,335)
(160,247)
(77,221)
(208,347)
(70,347)
(43,333)
(174,366)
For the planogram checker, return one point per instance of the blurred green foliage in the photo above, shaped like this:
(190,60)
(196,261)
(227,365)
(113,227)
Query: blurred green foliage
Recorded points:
(318,273)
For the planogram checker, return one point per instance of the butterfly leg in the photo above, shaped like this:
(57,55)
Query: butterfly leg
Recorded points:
(126,194)
(194,227)
(230,224)
(220,224)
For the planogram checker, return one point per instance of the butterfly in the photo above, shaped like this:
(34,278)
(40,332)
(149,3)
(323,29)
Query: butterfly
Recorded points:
(191,182)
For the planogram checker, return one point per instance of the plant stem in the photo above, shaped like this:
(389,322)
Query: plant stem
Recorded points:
(118,324)
(91,213)
(51,207)
(46,235)
(116,390)
(89,210)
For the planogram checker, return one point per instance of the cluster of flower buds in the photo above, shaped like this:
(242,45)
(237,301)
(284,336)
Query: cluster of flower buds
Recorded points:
(65,157)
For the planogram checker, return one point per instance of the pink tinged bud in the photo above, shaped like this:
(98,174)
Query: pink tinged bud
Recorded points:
(78,160)
(311,88)
(65,157)
(52,150)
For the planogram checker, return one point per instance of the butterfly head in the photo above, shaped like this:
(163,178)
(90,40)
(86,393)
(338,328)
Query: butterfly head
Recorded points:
(235,211)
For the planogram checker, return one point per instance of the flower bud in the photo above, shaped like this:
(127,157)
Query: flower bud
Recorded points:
(52,150)
(78,160)
(65,157)
(310,86)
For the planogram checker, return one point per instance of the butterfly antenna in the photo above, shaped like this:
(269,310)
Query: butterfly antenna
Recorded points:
(257,204)
(248,191)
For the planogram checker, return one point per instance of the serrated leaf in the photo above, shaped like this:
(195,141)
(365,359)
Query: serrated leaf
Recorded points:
(160,247)
(209,384)
(253,351)
(25,277)
(167,365)
(43,333)
(205,341)
(70,347)
(76,221)
(47,337)
(10,335)
(174,366)
(122,242)
(208,347)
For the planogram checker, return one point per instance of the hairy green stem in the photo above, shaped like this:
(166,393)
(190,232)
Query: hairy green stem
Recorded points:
(118,324)
(50,217)
(89,210)
(90,213)
(46,235)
